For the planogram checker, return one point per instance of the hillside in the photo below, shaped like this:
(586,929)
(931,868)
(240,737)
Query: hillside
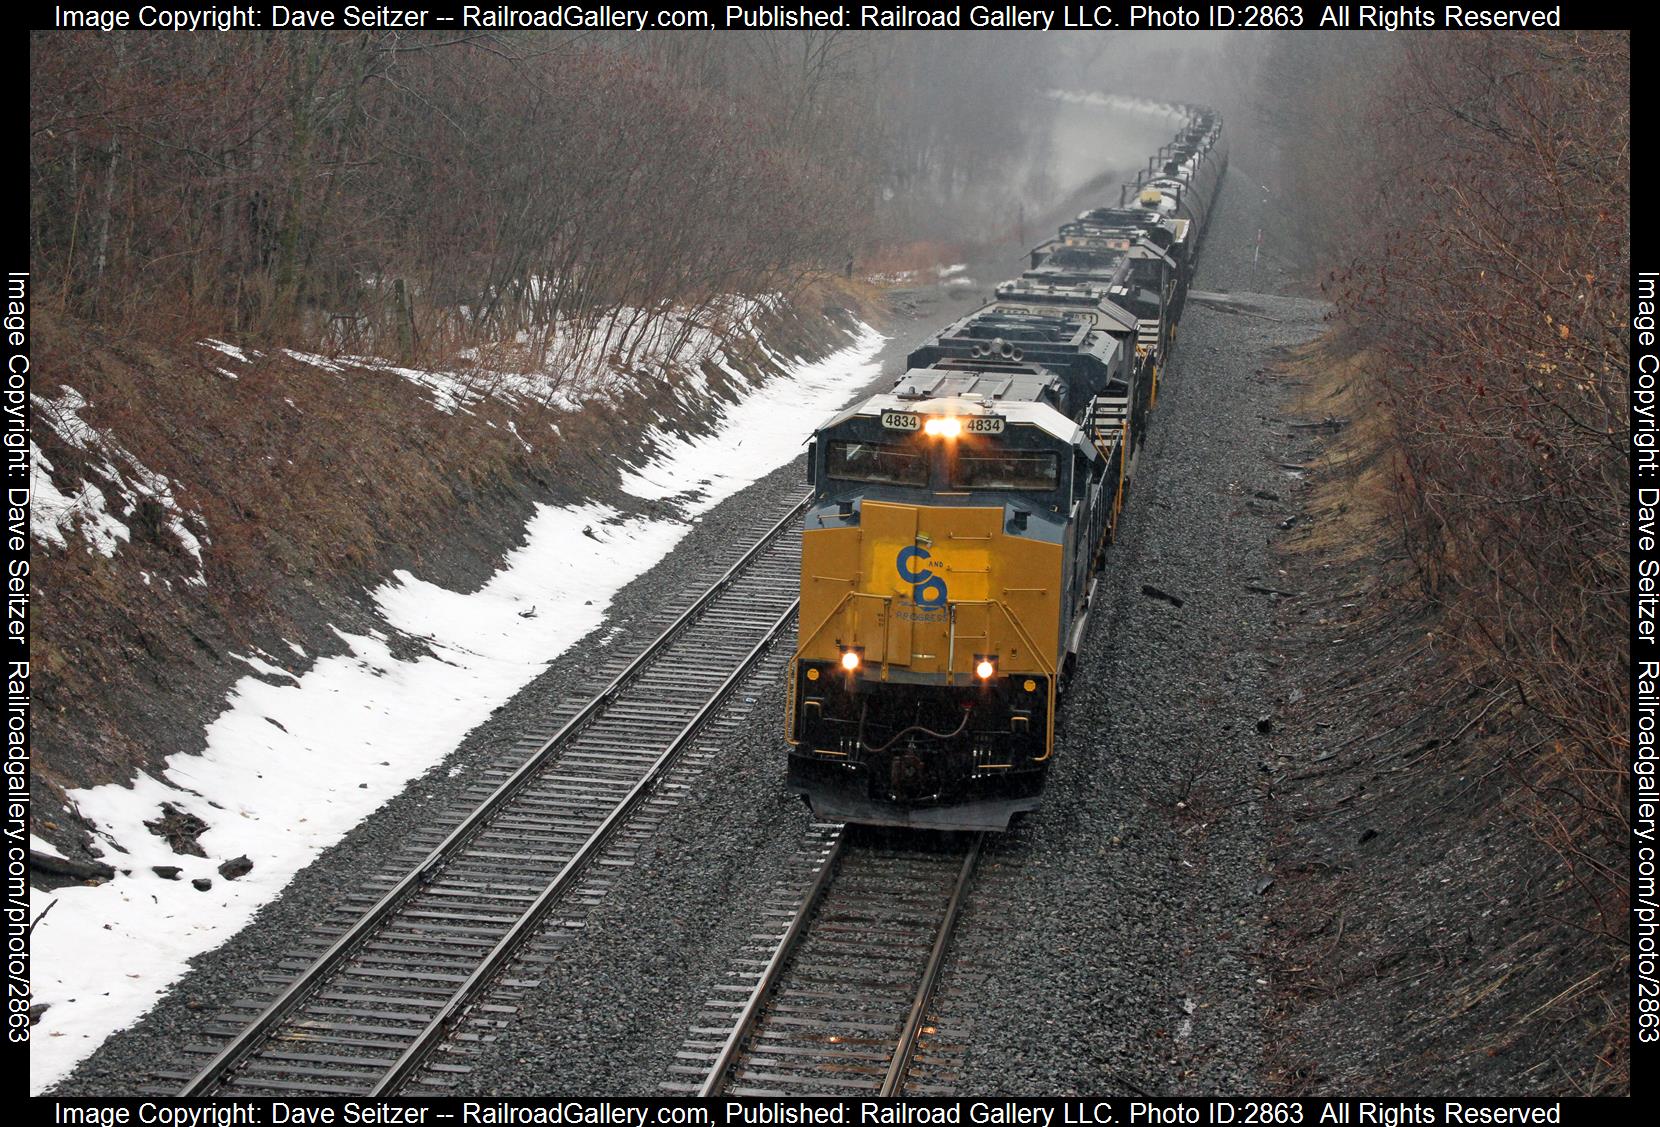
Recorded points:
(210,511)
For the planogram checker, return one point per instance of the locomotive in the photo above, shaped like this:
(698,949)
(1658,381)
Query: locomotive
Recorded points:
(957,525)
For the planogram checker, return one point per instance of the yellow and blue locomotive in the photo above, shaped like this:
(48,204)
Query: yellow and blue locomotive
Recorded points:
(958,523)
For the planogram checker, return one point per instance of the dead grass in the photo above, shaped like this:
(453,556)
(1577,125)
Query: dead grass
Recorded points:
(1467,951)
(1354,478)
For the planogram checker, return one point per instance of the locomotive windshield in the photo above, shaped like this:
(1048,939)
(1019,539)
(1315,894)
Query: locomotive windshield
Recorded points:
(874,462)
(1008,469)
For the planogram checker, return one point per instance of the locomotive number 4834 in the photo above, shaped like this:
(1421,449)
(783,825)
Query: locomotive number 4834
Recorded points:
(971,424)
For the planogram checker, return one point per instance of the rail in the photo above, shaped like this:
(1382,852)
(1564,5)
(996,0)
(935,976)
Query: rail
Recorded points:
(245,1044)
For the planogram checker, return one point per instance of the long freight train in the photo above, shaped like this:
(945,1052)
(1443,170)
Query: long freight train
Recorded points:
(958,523)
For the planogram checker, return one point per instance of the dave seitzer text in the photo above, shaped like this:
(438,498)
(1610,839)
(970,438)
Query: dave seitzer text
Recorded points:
(1040,17)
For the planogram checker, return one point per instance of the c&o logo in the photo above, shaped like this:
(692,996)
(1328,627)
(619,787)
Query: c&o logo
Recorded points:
(927,589)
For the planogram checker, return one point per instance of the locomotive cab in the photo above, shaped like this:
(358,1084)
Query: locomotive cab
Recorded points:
(939,581)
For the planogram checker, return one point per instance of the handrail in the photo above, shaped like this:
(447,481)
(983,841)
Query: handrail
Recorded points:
(1044,664)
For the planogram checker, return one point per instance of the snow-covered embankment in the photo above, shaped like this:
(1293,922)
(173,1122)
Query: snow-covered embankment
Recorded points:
(295,761)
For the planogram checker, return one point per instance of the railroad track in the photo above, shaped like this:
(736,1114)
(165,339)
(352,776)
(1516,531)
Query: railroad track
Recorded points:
(838,999)
(418,965)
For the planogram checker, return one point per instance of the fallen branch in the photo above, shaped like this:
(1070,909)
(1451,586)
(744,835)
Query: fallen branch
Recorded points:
(36,921)
(1261,590)
(64,867)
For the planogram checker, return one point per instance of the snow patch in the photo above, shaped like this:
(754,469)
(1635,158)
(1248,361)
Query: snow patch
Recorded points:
(265,667)
(314,360)
(230,350)
(53,513)
(757,434)
(38,844)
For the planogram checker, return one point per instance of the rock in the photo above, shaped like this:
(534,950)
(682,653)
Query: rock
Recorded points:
(236,867)
(1265,725)
(201,884)
(1154,593)
(166,872)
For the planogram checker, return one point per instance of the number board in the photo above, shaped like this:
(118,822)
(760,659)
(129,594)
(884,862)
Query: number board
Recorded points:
(972,424)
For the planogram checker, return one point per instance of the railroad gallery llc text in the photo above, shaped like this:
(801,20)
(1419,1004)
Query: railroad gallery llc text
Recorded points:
(1003,1114)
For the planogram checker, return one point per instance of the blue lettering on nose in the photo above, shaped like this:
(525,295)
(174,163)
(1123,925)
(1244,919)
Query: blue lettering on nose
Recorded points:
(930,593)
(927,589)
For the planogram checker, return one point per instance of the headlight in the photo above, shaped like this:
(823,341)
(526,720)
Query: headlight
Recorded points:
(850,660)
(985,668)
(943,426)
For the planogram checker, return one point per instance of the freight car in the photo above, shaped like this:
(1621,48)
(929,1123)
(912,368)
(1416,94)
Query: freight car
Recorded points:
(958,523)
